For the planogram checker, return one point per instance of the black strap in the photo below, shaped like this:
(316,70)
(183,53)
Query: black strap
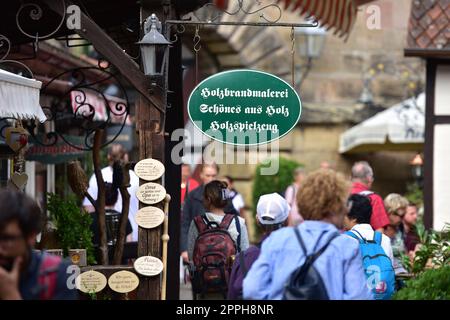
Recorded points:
(300,240)
(238,228)
(322,250)
(242,264)
(360,235)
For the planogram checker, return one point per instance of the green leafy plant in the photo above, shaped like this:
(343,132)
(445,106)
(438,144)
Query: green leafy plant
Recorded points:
(264,184)
(433,284)
(433,249)
(72,225)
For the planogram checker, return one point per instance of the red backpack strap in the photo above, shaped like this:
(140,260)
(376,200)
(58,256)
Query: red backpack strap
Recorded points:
(226,221)
(48,274)
(200,223)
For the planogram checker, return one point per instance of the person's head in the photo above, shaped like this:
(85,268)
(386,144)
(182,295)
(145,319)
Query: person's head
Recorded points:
(229,181)
(111,194)
(360,211)
(209,172)
(116,152)
(21,220)
(395,206)
(272,212)
(326,165)
(410,217)
(362,172)
(215,195)
(299,175)
(324,197)
(185,171)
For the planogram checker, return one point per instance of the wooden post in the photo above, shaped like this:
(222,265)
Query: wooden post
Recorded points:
(151,145)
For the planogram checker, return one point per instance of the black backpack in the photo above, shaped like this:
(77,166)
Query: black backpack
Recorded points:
(305,283)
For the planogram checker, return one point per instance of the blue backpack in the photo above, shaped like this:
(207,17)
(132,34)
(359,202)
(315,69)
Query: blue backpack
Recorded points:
(377,266)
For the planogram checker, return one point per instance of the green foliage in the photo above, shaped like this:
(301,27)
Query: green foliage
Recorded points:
(434,248)
(264,184)
(433,284)
(414,194)
(72,225)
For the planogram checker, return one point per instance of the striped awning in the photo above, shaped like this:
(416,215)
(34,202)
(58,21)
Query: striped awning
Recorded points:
(337,15)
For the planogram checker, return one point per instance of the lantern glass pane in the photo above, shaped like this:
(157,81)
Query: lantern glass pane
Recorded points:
(148,53)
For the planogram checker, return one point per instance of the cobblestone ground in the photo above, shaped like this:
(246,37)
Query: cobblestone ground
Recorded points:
(185,291)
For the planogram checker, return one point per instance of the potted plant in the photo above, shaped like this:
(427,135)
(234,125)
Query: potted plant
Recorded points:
(72,229)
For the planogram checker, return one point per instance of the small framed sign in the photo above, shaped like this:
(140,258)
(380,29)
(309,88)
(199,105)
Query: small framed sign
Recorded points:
(148,266)
(149,169)
(149,217)
(123,281)
(151,193)
(90,281)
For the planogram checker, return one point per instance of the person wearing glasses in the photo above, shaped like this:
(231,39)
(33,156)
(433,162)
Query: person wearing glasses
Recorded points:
(26,274)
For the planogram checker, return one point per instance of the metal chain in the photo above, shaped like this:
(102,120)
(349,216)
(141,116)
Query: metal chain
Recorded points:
(293,56)
(197,47)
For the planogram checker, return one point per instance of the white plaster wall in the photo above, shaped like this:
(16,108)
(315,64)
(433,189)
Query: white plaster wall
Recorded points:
(441,181)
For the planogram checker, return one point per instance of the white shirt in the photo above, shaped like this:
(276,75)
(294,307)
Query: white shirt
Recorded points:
(132,189)
(368,233)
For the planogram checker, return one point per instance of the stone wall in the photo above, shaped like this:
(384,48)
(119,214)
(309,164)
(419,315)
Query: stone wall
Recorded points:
(332,88)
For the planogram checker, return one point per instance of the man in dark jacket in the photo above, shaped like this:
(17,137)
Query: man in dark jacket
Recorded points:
(272,212)
(193,205)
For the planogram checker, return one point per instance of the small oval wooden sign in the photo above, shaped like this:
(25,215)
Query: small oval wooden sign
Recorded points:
(90,281)
(123,281)
(148,266)
(149,217)
(151,193)
(149,169)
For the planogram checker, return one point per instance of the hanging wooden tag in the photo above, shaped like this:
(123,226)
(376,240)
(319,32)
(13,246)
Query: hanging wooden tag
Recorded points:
(123,281)
(151,193)
(90,281)
(149,169)
(149,217)
(16,138)
(148,266)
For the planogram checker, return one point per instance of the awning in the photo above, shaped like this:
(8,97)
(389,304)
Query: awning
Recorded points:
(339,15)
(399,128)
(19,97)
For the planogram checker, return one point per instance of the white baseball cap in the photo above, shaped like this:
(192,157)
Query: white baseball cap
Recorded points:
(272,209)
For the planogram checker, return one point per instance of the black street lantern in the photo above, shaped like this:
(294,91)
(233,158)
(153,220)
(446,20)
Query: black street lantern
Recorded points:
(154,48)
(417,168)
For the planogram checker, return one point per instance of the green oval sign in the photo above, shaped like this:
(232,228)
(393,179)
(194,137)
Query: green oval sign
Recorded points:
(244,107)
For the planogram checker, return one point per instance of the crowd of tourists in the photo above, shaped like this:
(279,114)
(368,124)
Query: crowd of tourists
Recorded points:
(324,237)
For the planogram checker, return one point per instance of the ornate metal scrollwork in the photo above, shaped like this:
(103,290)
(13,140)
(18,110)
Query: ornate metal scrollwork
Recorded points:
(32,11)
(240,8)
(80,103)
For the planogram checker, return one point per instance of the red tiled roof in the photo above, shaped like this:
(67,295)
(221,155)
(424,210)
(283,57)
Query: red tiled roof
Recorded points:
(429,26)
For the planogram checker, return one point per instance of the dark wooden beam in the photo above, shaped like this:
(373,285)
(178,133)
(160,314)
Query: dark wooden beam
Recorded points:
(106,46)
(429,144)
(428,53)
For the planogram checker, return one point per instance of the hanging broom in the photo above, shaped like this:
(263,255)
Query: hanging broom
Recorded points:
(78,181)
